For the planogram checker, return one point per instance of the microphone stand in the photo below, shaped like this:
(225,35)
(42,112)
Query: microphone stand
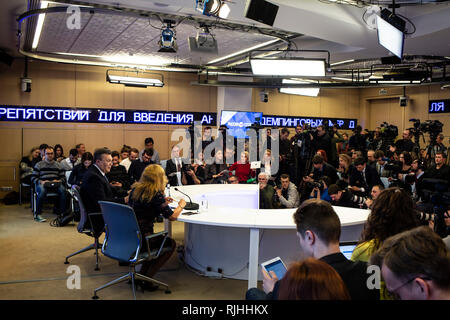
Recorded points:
(191,205)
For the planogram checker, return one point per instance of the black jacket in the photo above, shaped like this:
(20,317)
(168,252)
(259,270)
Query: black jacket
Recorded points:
(371,176)
(327,170)
(354,275)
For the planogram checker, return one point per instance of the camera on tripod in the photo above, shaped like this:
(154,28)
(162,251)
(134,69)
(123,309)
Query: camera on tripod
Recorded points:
(433,127)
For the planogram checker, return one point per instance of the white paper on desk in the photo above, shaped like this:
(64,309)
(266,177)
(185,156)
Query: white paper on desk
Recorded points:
(255,164)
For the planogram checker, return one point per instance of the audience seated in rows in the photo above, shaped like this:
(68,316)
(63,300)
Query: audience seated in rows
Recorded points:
(77,174)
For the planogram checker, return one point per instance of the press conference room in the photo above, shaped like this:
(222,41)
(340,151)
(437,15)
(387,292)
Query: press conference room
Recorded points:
(270,107)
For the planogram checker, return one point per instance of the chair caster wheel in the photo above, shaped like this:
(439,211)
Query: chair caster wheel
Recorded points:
(97,269)
(167,291)
(95,297)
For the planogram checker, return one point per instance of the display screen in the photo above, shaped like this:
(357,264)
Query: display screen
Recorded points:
(347,249)
(237,122)
(277,267)
(390,37)
(439,106)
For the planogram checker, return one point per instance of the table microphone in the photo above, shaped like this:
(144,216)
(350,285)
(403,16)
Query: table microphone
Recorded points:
(191,205)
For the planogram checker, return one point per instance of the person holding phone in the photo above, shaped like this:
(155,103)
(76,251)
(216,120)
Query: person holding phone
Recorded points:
(318,231)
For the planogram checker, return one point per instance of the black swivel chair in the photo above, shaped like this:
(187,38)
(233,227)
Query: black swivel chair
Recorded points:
(86,226)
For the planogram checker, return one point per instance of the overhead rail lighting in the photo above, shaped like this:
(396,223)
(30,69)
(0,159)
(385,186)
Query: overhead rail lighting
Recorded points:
(39,25)
(312,92)
(288,66)
(390,30)
(138,81)
(217,8)
(168,43)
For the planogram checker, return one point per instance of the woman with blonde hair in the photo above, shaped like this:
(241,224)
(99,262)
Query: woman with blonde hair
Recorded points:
(148,201)
(242,168)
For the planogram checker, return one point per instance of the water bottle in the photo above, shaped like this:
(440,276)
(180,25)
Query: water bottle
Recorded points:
(204,203)
(167,191)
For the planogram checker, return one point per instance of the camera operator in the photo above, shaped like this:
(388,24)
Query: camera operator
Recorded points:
(375,139)
(363,178)
(405,144)
(301,145)
(322,141)
(343,197)
(284,152)
(336,138)
(358,141)
(286,195)
(438,146)
(320,169)
(320,189)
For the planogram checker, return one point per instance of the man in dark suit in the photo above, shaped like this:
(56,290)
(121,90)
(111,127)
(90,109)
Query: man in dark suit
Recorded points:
(96,187)
(138,166)
(321,169)
(319,230)
(174,168)
(363,178)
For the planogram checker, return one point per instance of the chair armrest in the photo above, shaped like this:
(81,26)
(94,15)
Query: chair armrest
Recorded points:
(155,235)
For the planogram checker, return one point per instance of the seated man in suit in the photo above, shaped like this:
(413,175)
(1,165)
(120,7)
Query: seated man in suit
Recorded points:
(96,187)
(318,231)
(363,178)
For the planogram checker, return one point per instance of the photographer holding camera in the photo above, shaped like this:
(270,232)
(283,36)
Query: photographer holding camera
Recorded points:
(320,189)
(343,197)
(302,148)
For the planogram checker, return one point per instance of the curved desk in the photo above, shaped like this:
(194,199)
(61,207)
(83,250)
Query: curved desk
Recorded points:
(234,235)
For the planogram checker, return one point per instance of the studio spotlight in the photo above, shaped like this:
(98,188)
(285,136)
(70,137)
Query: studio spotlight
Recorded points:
(217,8)
(168,43)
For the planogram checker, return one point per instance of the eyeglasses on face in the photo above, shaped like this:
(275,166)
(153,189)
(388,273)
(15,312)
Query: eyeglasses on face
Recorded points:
(393,294)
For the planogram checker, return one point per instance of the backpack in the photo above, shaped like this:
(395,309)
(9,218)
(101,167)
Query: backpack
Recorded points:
(11,198)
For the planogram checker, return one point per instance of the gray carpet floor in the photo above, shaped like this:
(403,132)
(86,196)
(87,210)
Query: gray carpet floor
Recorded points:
(32,265)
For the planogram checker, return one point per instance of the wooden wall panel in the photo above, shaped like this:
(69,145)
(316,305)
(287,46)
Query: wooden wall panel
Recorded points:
(92,89)
(11,142)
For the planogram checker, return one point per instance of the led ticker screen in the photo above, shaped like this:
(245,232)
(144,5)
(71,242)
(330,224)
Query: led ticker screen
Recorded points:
(86,115)
(439,106)
(290,122)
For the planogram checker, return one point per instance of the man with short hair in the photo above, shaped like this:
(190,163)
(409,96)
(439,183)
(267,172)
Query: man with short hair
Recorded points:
(318,232)
(380,164)
(323,141)
(138,166)
(371,161)
(174,167)
(133,156)
(71,161)
(48,176)
(81,149)
(406,143)
(363,178)
(322,169)
(438,146)
(376,190)
(287,196)
(149,144)
(415,265)
(266,192)
(439,170)
(344,198)
(96,187)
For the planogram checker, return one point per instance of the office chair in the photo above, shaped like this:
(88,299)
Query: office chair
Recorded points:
(123,242)
(87,227)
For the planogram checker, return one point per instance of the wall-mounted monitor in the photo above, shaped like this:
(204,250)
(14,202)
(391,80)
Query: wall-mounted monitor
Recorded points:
(390,37)
(237,122)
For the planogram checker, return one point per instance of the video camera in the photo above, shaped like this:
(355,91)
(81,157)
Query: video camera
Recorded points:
(433,127)
(388,131)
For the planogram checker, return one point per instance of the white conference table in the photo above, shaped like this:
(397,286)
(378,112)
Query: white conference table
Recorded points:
(232,227)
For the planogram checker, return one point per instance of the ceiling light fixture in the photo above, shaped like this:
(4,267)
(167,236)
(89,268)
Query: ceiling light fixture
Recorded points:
(140,82)
(288,66)
(39,25)
(168,43)
(311,92)
(217,8)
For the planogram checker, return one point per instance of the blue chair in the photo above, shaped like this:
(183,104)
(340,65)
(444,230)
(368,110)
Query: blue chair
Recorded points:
(86,226)
(123,242)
